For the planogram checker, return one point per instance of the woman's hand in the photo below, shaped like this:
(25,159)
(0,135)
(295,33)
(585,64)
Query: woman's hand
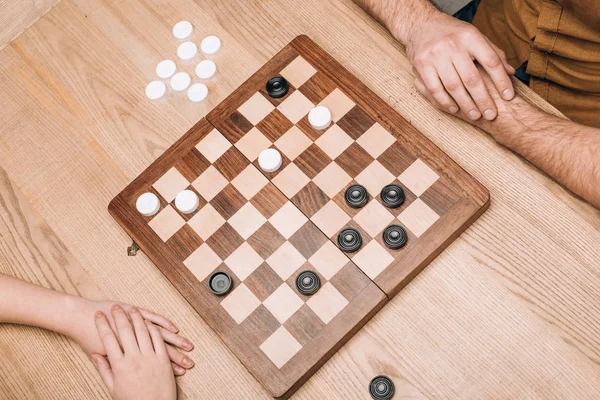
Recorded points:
(83,331)
(138,366)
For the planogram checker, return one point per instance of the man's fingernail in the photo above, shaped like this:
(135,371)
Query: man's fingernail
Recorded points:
(452,109)
(489,114)
(187,362)
(474,114)
(507,94)
(186,344)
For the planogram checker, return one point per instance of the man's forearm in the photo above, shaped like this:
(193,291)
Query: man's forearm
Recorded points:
(400,17)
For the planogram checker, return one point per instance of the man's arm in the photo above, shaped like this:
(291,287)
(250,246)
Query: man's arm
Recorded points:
(442,51)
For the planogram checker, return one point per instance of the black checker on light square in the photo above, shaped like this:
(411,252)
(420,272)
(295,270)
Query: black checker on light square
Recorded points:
(312,161)
(231,163)
(396,158)
(317,87)
(192,165)
(274,125)
(310,199)
(273,100)
(356,122)
(354,160)
(304,325)
(269,200)
(225,241)
(308,239)
(184,242)
(235,126)
(228,201)
(266,240)
(263,281)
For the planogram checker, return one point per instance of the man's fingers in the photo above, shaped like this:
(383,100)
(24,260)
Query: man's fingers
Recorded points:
(178,358)
(107,336)
(159,320)
(473,82)
(455,86)
(431,80)
(507,67)
(126,334)
(141,331)
(104,370)
(423,90)
(157,341)
(176,340)
(488,57)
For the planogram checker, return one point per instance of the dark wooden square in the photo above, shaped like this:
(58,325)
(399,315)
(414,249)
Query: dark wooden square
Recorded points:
(266,240)
(228,201)
(349,281)
(306,128)
(356,122)
(308,239)
(310,199)
(441,196)
(263,281)
(269,200)
(312,161)
(185,241)
(354,160)
(317,87)
(231,163)
(396,158)
(192,165)
(236,126)
(225,241)
(304,325)
(259,326)
(274,125)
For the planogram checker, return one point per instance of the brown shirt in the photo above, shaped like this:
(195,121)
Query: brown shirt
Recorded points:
(560,40)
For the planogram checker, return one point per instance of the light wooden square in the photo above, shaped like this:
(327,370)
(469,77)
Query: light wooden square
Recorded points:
(334,141)
(330,219)
(296,106)
(288,219)
(376,140)
(206,222)
(338,103)
(328,260)
(290,180)
(293,143)
(249,182)
(166,223)
(280,347)
(418,217)
(418,177)
(170,184)
(327,302)
(240,303)
(256,108)
(213,145)
(210,183)
(332,179)
(243,261)
(372,259)
(283,303)
(252,143)
(247,220)
(373,218)
(375,177)
(286,260)
(202,262)
(298,72)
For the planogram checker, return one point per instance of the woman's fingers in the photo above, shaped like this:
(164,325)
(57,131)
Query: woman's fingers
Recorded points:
(126,334)
(104,369)
(180,359)
(176,340)
(107,336)
(159,320)
(157,341)
(178,370)
(141,331)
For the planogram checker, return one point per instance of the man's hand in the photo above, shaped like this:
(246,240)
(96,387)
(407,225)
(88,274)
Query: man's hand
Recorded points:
(442,50)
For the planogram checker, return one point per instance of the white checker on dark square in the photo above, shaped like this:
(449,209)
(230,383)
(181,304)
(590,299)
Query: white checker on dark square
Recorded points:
(283,303)
(170,184)
(247,220)
(256,108)
(375,177)
(166,223)
(372,258)
(338,103)
(327,302)
(243,261)
(293,143)
(252,143)
(418,177)
(334,141)
(210,183)
(330,219)
(418,217)
(290,180)
(288,220)
(296,106)
(373,218)
(332,179)
(376,140)
(240,303)
(298,72)
(328,260)
(249,182)
(286,260)
(202,262)
(280,347)
(206,222)
(213,146)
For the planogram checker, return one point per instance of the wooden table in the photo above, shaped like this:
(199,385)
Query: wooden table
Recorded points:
(509,310)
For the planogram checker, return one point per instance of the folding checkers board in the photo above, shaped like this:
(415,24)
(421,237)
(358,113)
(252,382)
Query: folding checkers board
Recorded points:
(263,229)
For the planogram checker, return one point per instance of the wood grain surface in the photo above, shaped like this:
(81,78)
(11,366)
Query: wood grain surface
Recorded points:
(509,310)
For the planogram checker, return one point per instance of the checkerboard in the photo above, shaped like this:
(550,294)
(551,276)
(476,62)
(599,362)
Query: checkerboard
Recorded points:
(263,229)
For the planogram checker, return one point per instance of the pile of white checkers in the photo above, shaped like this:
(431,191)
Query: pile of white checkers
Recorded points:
(186,52)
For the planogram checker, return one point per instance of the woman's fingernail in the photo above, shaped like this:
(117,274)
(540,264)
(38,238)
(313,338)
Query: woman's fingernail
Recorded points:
(99,314)
(115,307)
(186,344)
(174,328)
(452,109)
(179,370)
(133,310)
(507,94)
(474,114)
(489,114)
(187,362)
